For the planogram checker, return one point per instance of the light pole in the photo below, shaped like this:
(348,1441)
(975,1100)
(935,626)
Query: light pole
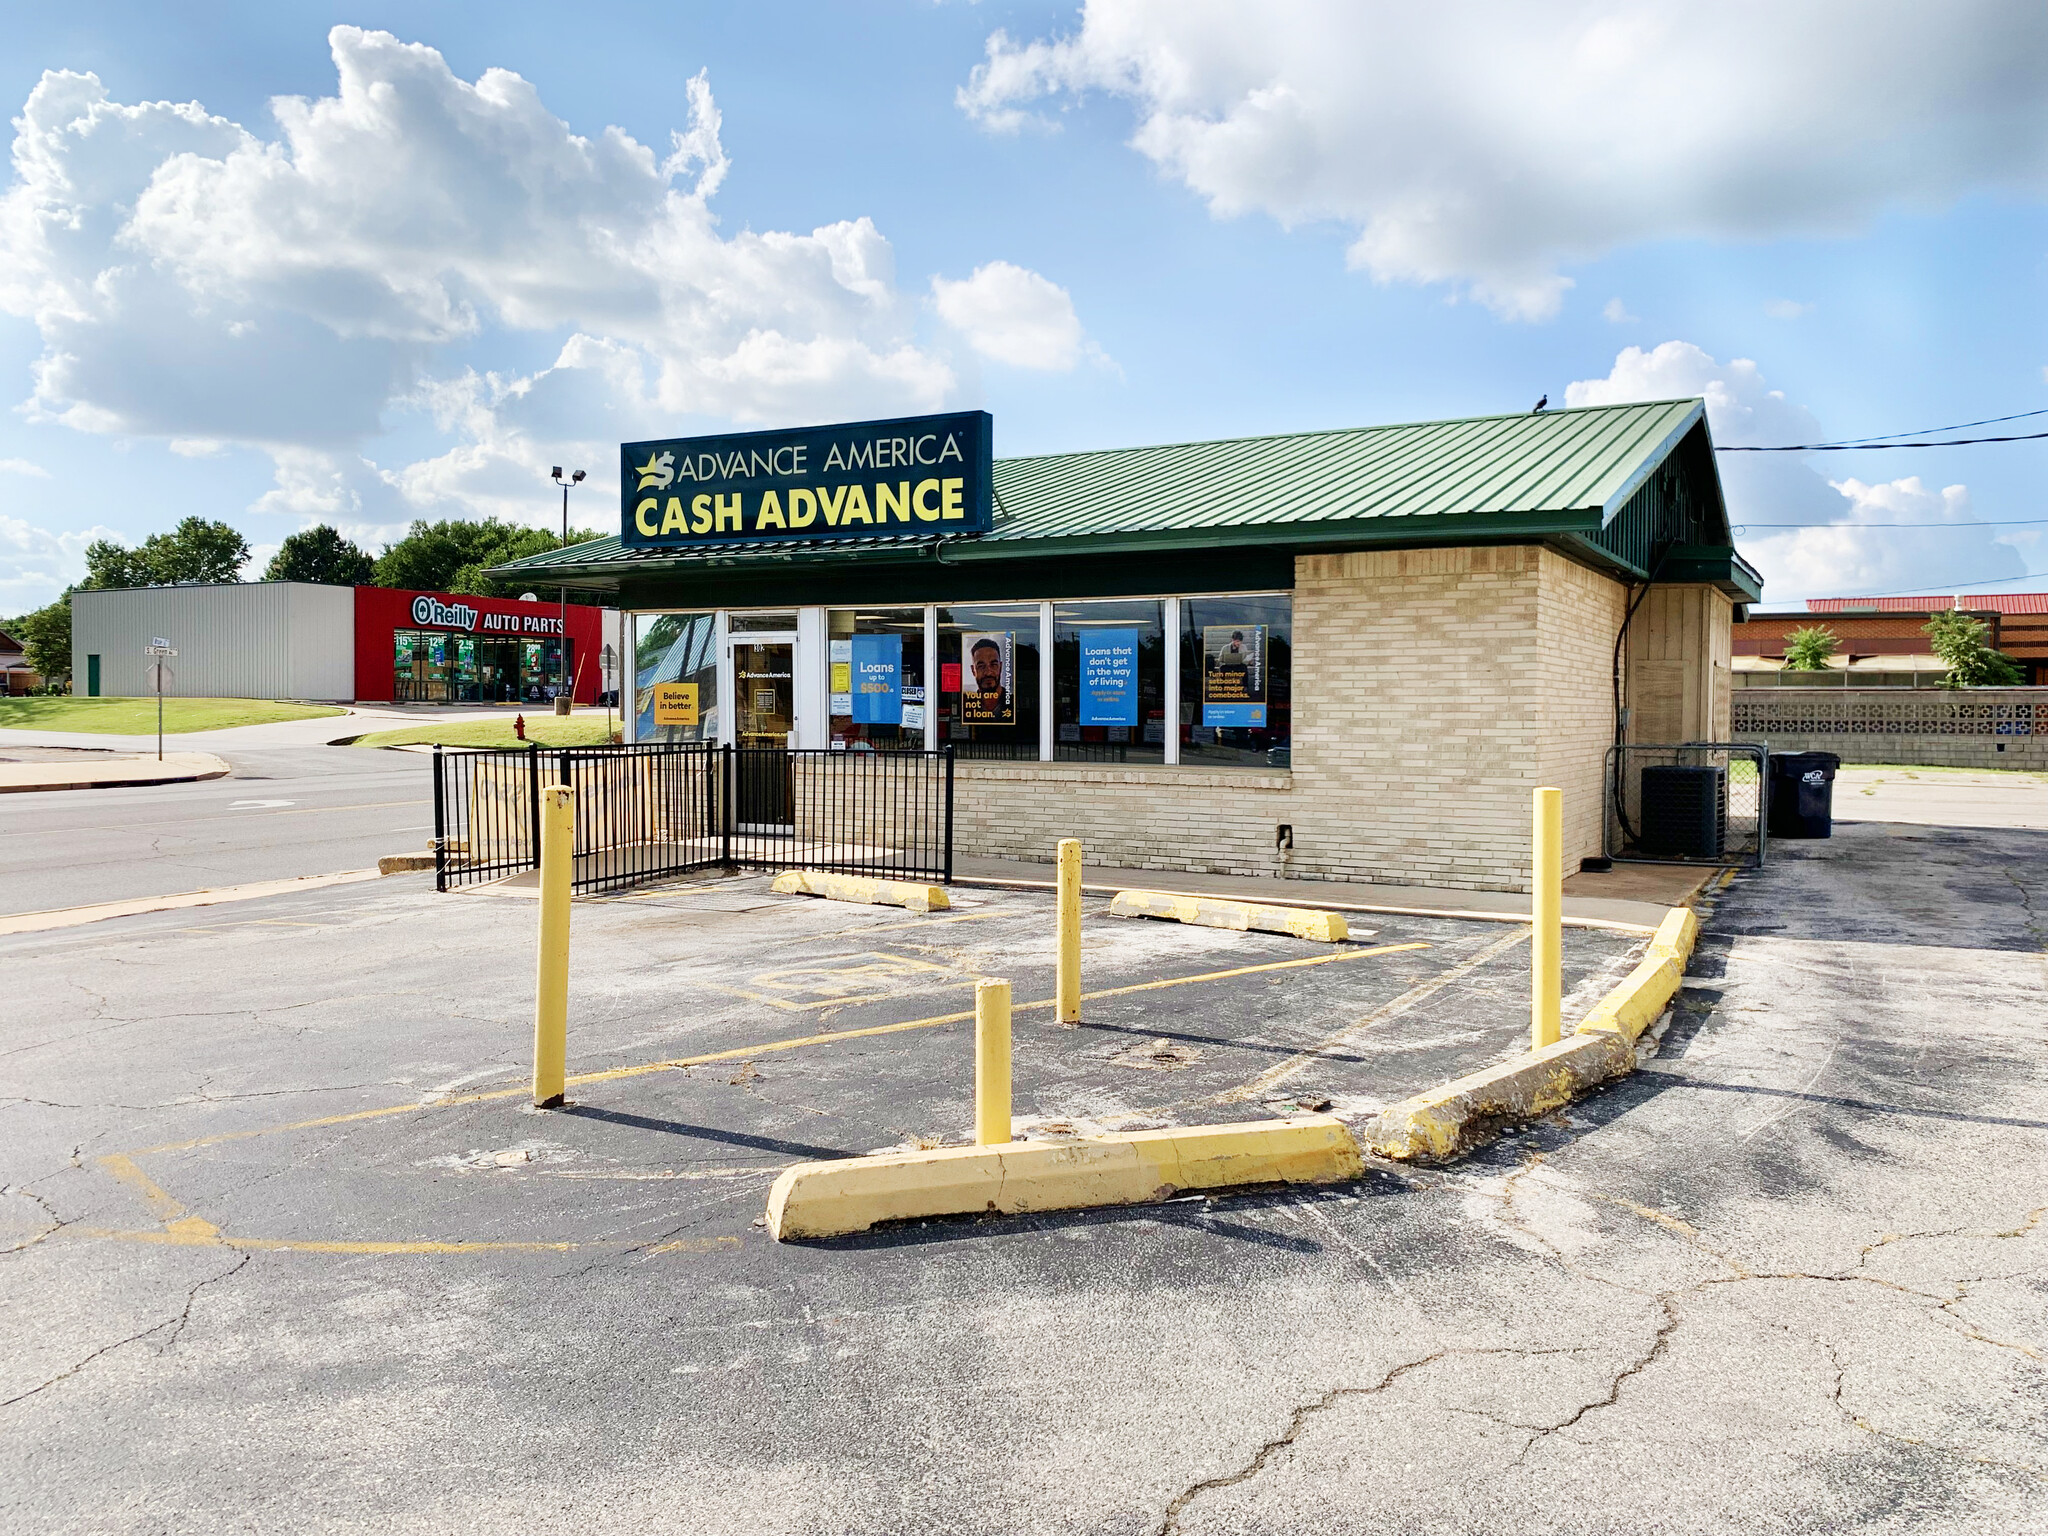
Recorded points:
(562,642)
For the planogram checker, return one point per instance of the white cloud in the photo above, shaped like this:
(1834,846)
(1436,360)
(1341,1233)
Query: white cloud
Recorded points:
(1489,144)
(1772,488)
(1616,313)
(1787,309)
(1012,315)
(24,467)
(196,282)
(36,564)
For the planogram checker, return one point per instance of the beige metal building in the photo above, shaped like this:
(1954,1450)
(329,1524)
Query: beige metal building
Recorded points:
(248,640)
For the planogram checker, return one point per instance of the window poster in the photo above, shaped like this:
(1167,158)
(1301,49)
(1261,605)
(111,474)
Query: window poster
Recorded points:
(988,694)
(1109,677)
(1234,675)
(877,667)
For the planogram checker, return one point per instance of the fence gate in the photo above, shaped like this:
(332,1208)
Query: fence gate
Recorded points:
(650,811)
(1696,803)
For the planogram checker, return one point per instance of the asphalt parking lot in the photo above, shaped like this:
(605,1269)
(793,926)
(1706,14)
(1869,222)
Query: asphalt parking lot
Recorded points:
(278,1258)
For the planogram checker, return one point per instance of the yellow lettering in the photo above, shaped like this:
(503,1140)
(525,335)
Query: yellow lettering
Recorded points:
(831,504)
(672,519)
(729,514)
(700,514)
(856,508)
(771,512)
(643,518)
(917,501)
(803,508)
(893,499)
(949,499)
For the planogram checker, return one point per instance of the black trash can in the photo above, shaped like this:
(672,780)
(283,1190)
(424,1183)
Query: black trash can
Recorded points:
(1803,794)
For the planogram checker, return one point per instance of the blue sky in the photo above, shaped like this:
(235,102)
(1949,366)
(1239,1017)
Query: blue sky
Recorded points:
(1134,223)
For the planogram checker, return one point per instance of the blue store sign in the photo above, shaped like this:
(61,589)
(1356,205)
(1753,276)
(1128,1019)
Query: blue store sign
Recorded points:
(922,476)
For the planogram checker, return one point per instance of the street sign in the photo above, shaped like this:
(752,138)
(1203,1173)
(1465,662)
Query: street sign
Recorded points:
(159,643)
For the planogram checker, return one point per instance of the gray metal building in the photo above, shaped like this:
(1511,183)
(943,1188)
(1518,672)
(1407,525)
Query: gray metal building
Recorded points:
(251,640)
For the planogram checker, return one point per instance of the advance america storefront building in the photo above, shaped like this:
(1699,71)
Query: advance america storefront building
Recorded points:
(1335,655)
(298,640)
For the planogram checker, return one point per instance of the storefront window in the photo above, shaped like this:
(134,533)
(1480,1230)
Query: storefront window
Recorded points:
(877,678)
(771,621)
(1109,682)
(1236,676)
(988,680)
(676,689)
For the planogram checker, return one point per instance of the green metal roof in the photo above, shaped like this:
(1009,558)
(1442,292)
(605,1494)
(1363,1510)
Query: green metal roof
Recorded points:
(1563,472)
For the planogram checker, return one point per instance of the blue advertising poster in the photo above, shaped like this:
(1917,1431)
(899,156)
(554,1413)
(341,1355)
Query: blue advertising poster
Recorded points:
(1109,677)
(877,679)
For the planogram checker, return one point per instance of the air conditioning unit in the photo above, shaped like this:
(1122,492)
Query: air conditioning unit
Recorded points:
(1685,812)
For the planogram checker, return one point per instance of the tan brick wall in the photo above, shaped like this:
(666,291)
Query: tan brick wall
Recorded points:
(1433,689)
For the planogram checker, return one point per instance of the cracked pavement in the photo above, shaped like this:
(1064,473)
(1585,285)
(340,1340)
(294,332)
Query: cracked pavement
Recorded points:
(1790,1276)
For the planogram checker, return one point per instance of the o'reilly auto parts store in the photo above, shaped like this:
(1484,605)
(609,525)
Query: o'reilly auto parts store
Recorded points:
(1340,655)
(296,640)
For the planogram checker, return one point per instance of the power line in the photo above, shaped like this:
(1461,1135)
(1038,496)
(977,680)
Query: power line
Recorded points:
(1867,446)
(1960,426)
(1950,590)
(2018,522)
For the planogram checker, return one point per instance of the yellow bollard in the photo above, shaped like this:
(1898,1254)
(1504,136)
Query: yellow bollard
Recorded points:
(1546,909)
(991,1062)
(551,983)
(1067,987)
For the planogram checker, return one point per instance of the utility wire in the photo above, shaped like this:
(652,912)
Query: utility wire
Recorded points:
(1950,590)
(1867,446)
(1960,426)
(2018,522)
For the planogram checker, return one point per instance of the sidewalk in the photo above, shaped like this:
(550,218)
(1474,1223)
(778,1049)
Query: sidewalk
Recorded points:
(94,771)
(1630,896)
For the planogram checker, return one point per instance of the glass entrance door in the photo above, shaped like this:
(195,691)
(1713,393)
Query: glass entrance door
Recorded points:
(764,716)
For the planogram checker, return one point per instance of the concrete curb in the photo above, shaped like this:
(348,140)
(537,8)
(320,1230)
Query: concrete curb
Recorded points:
(863,891)
(1238,916)
(404,863)
(836,1198)
(129,773)
(1472,1110)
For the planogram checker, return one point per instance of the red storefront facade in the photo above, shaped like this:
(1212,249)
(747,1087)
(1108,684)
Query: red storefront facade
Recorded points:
(434,647)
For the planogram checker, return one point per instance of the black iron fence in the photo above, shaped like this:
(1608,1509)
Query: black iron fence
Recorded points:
(650,811)
(1695,803)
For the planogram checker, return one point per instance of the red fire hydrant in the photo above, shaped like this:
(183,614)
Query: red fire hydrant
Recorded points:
(519,726)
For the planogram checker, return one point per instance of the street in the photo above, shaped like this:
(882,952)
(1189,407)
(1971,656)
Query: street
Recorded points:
(287,1250)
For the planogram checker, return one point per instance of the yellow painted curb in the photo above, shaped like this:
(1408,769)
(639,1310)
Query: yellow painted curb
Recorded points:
(1216,912)
(851,1195)
(857,888)
(1635,1005)
(1459,1115)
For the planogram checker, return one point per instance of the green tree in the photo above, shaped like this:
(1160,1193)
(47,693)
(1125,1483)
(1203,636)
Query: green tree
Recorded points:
(452,557)
(196,550)
(45,637)
(1808,650)
(321,555)
(1959,640)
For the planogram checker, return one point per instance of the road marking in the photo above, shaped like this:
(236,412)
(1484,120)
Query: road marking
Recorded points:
(741,1053)
(72,917)
(839,980)
(182,1229)
(1274,1076)
(256,805)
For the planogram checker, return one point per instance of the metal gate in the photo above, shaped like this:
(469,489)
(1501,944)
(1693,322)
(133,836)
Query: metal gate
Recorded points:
(1701,802)
(650,811)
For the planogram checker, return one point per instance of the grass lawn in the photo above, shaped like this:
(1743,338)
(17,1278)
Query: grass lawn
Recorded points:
(548,730)
(137,717)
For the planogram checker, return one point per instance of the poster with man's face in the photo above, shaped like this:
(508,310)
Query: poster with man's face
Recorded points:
(1234,675)
(988,695)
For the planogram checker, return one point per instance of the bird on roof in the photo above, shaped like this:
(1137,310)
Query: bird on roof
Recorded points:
(1542,404)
